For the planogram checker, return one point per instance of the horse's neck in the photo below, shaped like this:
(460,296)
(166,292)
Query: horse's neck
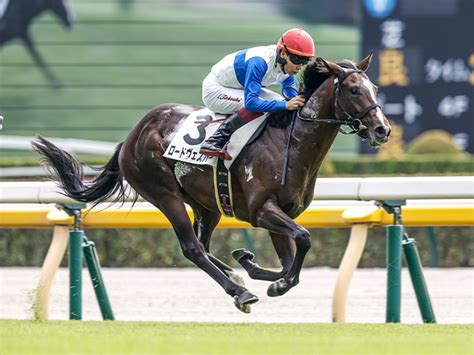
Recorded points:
(313,139)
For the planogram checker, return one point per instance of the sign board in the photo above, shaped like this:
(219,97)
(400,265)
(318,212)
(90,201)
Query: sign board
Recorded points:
(423,64)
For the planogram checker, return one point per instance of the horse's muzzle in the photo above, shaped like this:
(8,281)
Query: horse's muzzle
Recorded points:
(382,133)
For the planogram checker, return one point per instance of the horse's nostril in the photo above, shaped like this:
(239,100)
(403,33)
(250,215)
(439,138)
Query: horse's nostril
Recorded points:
(382,132)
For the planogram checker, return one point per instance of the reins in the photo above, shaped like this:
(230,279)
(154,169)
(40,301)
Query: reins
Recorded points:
(287,152)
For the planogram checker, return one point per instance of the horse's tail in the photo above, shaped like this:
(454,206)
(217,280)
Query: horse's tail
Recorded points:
(67,170)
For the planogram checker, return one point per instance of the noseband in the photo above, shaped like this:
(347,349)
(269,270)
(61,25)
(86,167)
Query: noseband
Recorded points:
(353,121)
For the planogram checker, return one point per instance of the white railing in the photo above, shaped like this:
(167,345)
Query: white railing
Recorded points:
(69,144)
(360,189)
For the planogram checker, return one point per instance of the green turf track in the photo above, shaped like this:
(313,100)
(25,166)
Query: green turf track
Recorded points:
(218,338)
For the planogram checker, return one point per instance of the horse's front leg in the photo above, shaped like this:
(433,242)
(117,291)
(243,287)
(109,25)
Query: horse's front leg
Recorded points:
(271,217)
(284,247)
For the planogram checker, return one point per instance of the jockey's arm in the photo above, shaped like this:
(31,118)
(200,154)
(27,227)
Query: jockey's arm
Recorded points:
(256,69)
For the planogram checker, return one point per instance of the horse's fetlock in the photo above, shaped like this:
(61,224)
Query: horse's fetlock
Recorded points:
(235,291)
(294,281)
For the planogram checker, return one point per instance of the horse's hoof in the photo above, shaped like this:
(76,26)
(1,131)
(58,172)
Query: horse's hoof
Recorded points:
(244,301)
(278,288)
(242,254)
(244,308)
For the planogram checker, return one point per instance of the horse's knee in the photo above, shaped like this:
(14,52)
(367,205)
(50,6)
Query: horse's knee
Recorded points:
(303,239)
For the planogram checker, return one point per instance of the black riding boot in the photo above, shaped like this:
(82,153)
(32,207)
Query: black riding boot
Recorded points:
(214,146)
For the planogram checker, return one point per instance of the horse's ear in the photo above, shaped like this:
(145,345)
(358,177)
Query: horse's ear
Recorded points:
(332,67)
(364,63)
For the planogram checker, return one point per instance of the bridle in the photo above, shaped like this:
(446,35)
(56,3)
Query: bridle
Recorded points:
(353,121)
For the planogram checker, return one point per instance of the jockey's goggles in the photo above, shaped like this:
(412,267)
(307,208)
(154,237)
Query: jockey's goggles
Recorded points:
(297,60)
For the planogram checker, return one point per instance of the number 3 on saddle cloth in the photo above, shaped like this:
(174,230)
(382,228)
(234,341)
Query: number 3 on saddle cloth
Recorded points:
(194,130)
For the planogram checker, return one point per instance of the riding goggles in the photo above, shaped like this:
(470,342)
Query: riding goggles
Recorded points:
(297,60)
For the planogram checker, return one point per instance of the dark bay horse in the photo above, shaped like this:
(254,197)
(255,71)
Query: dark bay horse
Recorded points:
(16,21)
(336,94)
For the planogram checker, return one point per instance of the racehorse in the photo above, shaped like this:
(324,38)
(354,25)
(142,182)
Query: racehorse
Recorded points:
(17,18)
(336,94)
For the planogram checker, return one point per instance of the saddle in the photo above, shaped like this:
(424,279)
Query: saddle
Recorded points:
(194,130)
(199,126)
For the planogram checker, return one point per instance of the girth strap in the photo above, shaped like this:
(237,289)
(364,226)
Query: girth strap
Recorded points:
(223,188)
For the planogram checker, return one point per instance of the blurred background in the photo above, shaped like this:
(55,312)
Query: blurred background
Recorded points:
(90,69)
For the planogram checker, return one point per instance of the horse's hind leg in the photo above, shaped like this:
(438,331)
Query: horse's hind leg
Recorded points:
(205,222)
(153,179)
(194,250)
(284,247)
(170,202)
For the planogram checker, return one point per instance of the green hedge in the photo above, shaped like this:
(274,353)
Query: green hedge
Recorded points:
(432,165)
(160,248)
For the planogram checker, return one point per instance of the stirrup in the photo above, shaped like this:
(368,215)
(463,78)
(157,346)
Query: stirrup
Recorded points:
(224,154)
(211,153)
(221,154)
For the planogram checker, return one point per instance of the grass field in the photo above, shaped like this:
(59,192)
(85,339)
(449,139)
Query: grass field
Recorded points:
(109,77)
(218,338)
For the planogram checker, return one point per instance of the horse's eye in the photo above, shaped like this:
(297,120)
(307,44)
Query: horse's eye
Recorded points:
(354,90)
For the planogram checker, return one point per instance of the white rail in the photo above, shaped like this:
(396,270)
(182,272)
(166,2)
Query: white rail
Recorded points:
(360,189)
(69,144)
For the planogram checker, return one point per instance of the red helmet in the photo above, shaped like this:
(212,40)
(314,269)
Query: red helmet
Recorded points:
(297,41)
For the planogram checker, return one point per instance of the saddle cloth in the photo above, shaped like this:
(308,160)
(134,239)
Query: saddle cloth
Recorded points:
(199,126)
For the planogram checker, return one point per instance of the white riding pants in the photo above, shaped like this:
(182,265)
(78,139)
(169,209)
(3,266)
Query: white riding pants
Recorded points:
(227,100)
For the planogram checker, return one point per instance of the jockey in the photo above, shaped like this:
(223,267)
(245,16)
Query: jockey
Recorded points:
(237,83)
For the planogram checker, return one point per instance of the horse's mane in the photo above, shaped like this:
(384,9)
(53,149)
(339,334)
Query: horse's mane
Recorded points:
(314,75)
